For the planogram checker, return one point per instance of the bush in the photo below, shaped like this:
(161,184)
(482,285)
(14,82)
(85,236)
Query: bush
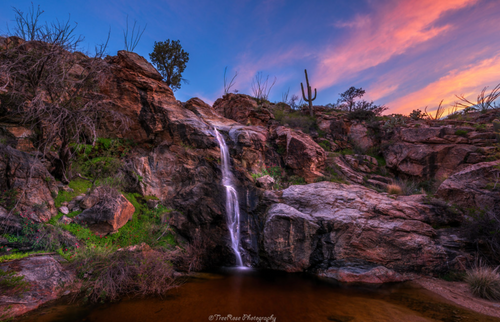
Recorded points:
(296,120)
(417,115)
(484,282)
(461,132)
(394,189)
(107,275)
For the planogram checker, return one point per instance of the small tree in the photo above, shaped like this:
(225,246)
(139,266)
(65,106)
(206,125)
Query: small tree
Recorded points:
(170,60)
(347,98)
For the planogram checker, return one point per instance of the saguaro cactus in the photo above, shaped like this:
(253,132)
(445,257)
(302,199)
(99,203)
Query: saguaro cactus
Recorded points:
(309,98)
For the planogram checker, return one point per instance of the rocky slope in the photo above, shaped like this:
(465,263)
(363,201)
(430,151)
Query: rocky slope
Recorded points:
(350,231)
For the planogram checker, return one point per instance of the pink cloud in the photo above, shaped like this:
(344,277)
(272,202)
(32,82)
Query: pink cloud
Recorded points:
(392,29)
(468,81)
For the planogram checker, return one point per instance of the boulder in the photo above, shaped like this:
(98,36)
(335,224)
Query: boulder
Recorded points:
(47,278)
(265,182)
(358,134)
(243,109)
(352,233)
(473,187)
(27,177)
(304,156)
(108,214)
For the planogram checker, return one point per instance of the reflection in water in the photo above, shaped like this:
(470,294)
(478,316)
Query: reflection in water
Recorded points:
(259,293)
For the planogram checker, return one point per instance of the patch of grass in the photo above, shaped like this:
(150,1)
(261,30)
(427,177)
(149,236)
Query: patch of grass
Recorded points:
(296,119)
(325,144)
(147,225)
(296,180)
(347,152)
(484,282)
(79,186)
(17,255)
(461,132)
(480,127)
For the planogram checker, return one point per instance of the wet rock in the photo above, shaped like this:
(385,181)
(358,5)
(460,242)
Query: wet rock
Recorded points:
(47,278)
(371,275)
(332,227)
(289,238)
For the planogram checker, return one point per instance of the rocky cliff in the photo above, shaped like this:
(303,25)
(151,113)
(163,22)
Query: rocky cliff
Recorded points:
(350,229)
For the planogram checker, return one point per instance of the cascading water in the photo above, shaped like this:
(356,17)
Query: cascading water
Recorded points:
(232,204)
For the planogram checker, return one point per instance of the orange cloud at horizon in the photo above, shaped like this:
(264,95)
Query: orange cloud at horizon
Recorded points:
(388,32)
(468,81)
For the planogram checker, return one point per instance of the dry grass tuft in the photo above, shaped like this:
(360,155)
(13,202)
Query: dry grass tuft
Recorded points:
(484,282)
(394,189)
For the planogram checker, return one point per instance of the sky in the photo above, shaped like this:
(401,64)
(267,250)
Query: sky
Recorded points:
(406,54)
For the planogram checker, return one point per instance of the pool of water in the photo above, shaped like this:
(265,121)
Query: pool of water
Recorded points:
(261,295)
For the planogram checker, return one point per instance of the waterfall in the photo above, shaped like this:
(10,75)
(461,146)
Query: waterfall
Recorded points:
(232,204)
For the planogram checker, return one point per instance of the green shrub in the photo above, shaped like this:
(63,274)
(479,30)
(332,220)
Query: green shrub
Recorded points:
(461,132)
(417,115)
(297,180)
(296,119)
(484,282)
(325,144)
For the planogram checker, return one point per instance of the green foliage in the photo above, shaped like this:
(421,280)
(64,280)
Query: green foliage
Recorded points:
(461,132)
(17,255)
(147,225)
(79,186)
(480,127)
(170,60)
(281,150)
(325,144)
(296,119)
(296,180)
(417,115)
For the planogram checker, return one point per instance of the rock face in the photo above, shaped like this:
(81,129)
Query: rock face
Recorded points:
(243,109)
(435,152)
(47,280)
(302,154)
(351,233)
(474,187)
(107,215)
(32,183)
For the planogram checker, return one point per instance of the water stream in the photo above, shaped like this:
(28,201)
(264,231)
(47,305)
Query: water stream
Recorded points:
(232,204)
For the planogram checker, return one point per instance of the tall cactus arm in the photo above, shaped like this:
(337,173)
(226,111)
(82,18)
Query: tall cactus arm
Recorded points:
(314,95)
(303,94)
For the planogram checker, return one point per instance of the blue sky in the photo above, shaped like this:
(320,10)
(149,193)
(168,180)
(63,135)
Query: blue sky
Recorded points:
(405,54)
